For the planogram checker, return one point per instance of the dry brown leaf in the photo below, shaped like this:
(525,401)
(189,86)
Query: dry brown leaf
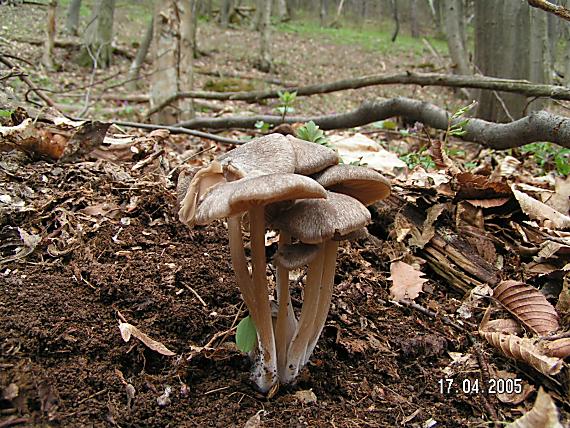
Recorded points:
(559,348)
(503,325)
(478,188)
(428,229)
(255,421)
(513,397)
(306,396)
(128,330)
(525,350)
(407,281)
(536,210)
(528,305)
(544,414)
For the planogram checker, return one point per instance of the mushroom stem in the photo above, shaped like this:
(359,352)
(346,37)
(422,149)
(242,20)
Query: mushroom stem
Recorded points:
(266,339)
(304,329)
(239,264)
(325,296)
(286,322)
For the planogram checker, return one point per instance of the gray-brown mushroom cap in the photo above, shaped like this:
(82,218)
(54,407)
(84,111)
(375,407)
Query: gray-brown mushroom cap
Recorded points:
(271,153)
(293,256)
(234,197)
(316,220)
(311,157)
(364,184)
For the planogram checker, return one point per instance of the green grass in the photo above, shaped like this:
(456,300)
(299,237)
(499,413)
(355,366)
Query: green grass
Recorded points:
(374,39)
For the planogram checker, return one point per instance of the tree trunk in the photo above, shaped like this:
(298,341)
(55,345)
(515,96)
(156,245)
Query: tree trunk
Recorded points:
(540,65)
(225,10)
(72,21)
(186,55)
(457,50)
(282,11)
(47,58)
(166,52)
(142,52)
(98,51)
(414,29)
(396,20)
(264,62)
(502,49)
(323,13)
(336,22)
(195,50)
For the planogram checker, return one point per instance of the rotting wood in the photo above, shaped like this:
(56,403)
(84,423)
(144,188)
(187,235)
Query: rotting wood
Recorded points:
(447,254)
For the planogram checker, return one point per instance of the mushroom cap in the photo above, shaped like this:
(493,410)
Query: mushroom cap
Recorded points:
(311,157)
(271,153)
(293,256)
(234,197)
(192,186)
(316,220)
(364,184)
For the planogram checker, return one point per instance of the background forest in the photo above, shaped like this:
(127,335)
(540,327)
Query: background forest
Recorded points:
(451,310)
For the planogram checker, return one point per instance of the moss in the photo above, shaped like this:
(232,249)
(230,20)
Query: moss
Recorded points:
(228,85)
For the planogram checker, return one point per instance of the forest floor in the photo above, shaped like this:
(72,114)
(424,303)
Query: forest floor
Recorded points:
(102,244)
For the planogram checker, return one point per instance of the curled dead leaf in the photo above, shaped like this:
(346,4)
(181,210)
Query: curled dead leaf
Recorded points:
(559,348)
(537,210)
(503,325)
(128,330)
(525,350)
(511,397)
(528,305)
(544,414)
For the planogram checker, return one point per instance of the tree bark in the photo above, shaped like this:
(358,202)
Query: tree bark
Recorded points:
(282,11)
(264,62)
(47,58)
(166,52)
(134,70)
(72,21)
(98,51)
(538,126)
(414,27)
(457,50)
(186,56)
(502,32)
(225,10)
(539,55)
(323,13)
(336,21)
(396,20)
(559,11)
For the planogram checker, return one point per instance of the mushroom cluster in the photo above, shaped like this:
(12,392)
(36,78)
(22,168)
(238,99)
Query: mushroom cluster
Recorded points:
(298,188)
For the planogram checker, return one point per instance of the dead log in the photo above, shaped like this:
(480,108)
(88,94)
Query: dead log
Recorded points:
(447,254)
(72,44)
(538,126)
(523,87)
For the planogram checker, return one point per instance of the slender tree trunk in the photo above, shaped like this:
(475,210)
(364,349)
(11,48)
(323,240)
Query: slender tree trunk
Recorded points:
(185,66)
(414,30)
(72,21)
(166,53)
(195,50)
(265,62)
(336,21)
(540,65)
(142,52)
(323,13)
(282,11)
(99,36)
(47,58)
(225,10)
(256,20)
(396,20)
(457,50)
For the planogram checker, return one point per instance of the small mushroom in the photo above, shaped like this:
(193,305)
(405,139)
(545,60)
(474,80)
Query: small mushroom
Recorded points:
(316,221)
(251,194)
(364,184)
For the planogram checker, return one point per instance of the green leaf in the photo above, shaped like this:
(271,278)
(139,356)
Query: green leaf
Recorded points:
(5,113)
(385,124)
(246,335)
(311,132)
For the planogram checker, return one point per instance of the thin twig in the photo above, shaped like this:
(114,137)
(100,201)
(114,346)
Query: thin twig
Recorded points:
(431,314)
(196,294)
(28,82)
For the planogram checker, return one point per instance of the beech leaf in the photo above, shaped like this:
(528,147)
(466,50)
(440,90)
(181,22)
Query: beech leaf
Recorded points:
(528,305)
(536,210)
(559,348)
(407,281)
(544,414)
(128,330)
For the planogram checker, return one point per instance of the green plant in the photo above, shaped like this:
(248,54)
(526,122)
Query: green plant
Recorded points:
(545,154)
(311,132)
(457,129)
(262,126)
(421,157)
(5,113)
(246,335)
(287,99)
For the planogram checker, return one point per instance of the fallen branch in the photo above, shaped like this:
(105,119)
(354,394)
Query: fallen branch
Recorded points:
(424,79)
(538,126)
(28,82)
(73,45)
(557,10)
